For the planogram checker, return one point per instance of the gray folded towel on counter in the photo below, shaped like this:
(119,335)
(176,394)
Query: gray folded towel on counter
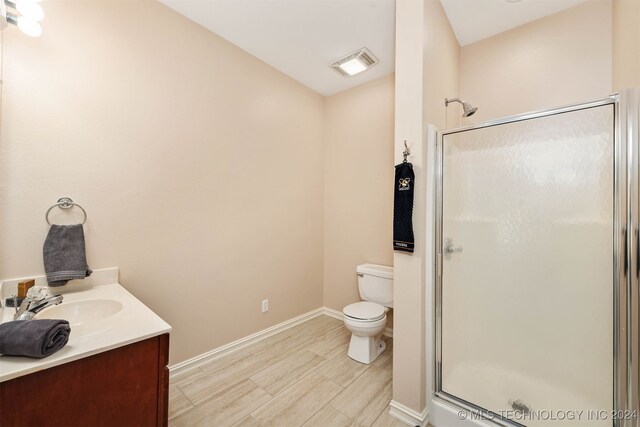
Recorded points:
(64,254)
(33,338)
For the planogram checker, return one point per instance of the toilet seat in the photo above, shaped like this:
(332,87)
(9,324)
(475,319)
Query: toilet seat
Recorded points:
(364,310)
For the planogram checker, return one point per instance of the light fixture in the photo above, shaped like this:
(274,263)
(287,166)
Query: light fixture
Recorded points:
(30,10)
(26,25)
(355,63)
(25,15)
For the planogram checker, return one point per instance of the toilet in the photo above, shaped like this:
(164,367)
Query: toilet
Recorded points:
(366,319)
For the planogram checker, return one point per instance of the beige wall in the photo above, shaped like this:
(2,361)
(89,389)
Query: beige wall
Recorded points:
(441,77)
(626,44)
(425,44)
(408,340)
(358,186)
(200,167)
(557,60)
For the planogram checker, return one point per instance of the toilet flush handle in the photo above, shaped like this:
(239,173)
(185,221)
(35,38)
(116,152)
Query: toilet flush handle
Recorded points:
(360,274)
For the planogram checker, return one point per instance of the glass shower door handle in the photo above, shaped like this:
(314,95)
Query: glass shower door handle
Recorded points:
(451,248)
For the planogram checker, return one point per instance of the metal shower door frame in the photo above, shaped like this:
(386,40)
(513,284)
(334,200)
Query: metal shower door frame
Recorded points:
(625,257)
(628,129)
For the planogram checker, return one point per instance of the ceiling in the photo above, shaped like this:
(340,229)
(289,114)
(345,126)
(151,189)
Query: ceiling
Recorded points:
(302,37)
(474,20)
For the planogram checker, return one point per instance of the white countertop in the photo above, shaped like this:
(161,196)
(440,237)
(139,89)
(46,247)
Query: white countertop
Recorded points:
(134,322)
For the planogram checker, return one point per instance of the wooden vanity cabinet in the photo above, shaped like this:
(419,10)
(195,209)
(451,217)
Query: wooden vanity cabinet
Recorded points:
(126,386)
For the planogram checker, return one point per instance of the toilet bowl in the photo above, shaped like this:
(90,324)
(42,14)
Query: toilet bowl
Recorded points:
(367,319)
(366,324)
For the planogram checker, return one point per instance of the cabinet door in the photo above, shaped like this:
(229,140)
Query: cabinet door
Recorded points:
(126,386)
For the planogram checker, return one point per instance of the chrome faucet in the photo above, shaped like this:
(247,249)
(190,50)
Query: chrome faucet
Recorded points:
(34,307)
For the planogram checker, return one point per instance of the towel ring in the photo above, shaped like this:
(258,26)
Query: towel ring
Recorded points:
(65,203)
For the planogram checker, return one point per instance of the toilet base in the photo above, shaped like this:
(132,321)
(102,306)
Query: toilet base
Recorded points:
(366,349)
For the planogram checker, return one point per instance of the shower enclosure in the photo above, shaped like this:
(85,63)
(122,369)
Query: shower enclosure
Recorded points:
(537,265)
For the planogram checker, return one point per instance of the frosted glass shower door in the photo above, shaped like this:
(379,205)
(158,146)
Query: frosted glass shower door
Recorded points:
(527,270)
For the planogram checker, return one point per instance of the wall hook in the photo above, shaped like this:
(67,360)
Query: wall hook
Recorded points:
(406,153)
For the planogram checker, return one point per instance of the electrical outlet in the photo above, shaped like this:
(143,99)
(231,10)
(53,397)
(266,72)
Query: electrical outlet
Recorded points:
(265,305)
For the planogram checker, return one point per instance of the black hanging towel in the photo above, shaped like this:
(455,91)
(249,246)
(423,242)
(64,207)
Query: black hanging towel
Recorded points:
(403,208)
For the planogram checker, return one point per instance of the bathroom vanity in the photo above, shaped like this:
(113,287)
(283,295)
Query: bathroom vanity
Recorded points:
(113,371)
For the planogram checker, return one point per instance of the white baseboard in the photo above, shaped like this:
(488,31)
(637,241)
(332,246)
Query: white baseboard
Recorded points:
(388,332)
(408,415)
(216,353)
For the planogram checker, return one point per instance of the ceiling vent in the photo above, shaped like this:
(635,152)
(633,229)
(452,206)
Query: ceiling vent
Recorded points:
(355,63)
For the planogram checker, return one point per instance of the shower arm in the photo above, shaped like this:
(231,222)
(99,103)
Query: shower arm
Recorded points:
(448,101)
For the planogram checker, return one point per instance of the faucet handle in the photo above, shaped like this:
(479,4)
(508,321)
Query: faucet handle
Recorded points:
(37,293)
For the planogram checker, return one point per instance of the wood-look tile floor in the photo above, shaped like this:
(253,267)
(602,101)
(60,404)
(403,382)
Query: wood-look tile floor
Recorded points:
(299,377)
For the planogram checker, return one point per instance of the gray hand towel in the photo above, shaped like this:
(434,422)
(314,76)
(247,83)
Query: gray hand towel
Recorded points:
(33,338)
(64,255)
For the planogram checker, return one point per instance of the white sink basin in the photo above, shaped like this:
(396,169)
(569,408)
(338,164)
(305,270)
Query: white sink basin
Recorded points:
(82,312)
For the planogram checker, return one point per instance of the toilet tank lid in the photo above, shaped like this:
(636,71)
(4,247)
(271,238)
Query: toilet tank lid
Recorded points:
(376,270)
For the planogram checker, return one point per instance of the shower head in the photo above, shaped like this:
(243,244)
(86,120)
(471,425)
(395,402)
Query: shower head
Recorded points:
(468,109)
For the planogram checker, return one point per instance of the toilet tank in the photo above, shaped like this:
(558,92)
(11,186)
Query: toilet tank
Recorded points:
(375,283)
